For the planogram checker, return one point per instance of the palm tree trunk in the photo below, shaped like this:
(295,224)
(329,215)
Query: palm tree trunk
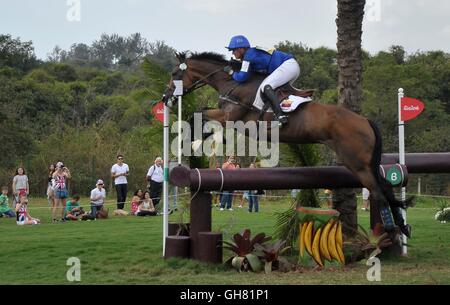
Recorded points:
(349,28)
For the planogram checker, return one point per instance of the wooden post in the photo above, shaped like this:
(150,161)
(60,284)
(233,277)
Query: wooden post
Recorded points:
(210,247)
(177,246)
(200,210)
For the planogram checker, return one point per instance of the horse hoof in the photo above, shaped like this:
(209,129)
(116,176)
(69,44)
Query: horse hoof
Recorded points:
(406,229)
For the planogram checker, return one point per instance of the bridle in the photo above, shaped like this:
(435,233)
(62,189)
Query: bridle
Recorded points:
(202,82)
(197,84)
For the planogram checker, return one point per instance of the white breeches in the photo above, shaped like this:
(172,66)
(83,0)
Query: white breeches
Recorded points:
(288,72)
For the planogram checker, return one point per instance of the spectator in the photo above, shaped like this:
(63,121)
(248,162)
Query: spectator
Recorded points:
(216,196)
(155,176)
(365,196)
(245,196)
(146,208)
(4,207)
(119,173)
(20,184)
(22,215)
(253,199)
(227,196)
(294,193)
(73,210)
(60,175)
(98,196)
(136,201)
(50,183)
(237,195)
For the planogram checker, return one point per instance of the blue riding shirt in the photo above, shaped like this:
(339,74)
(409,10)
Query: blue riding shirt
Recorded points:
(257,60)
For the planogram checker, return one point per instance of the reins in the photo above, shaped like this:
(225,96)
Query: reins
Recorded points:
(201,82)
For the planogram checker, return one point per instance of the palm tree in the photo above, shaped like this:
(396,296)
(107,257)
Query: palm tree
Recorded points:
(349,29)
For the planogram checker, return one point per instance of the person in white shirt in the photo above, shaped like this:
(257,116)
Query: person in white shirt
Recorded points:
(98,196)
(146,207)
(365,196)
(119,173)
(155,176)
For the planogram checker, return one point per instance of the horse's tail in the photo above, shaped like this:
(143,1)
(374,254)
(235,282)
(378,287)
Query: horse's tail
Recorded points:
(385,186)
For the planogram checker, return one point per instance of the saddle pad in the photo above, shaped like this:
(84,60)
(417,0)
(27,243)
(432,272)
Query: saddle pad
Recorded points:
(292,102)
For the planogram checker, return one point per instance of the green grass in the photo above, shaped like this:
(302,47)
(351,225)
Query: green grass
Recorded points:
(127,250)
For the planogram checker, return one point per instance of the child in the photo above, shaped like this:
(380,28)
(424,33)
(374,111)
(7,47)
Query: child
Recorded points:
(73,211)
(20,184)
(22,215)
(4,208)
(136,201)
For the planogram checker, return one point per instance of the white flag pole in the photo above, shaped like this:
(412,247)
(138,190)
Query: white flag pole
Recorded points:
(401,156)
(166,176)
(178,92)
(179,129)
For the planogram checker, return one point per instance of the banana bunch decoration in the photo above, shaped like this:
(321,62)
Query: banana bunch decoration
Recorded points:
(323,243)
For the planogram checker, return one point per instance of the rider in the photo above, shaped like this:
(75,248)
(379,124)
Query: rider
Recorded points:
(281,67)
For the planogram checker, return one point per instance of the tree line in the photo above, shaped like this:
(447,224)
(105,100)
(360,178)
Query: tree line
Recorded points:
(86,104)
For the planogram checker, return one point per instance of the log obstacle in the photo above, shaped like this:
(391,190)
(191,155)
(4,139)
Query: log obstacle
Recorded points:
(422,163)
(281,178)
(206,246)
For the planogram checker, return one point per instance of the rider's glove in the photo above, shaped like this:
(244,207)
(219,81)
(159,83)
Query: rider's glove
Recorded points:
(228,69)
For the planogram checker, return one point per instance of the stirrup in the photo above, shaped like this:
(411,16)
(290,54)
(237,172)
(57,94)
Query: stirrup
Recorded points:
(282,119)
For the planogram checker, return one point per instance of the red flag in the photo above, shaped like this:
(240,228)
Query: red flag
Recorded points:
(410,108)
(158,111)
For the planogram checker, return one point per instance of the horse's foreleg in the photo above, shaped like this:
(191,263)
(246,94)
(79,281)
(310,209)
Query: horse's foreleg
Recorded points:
(215,115)
(228,113)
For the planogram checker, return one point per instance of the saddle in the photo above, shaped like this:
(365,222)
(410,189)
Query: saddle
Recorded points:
(287,89)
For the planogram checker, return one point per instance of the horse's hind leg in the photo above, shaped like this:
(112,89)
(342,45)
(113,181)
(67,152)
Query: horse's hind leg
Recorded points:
(379,201)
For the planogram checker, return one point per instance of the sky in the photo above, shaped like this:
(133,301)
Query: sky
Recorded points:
(208,25)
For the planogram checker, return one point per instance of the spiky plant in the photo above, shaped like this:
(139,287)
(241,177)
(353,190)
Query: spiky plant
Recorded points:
(242,246)
(270,254)
(365,245)
(443,214)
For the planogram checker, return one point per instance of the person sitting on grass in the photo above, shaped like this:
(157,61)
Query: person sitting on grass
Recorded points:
(73,210)
(146,208)
(98,196)
(136,201)
(5,210)
(22,215)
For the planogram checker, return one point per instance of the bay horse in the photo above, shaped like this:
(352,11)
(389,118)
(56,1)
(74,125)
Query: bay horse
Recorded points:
(355,139)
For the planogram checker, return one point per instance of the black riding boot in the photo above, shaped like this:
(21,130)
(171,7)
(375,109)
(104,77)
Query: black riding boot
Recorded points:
(270,95)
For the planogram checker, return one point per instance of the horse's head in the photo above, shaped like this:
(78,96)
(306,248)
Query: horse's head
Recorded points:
(178,73)
(194,71)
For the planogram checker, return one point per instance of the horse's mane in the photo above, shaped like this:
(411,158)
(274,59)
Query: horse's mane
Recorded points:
(211,56)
